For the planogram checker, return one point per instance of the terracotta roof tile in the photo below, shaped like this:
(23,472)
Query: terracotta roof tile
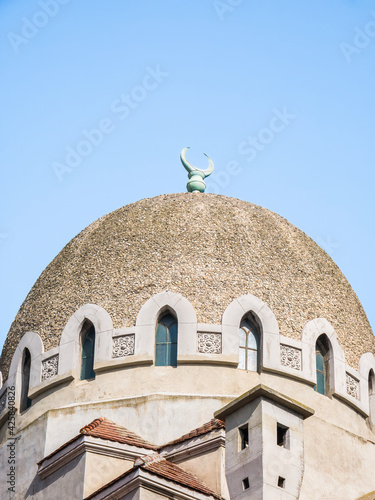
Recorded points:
(212,425)
(106,429)
(161,467)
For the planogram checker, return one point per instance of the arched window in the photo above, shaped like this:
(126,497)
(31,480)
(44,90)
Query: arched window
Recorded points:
(25,380)
(322,354)
(166,341)
(249,345)
(88,350)
(371,395)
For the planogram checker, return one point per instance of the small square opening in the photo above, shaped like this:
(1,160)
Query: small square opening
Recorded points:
(245,483)
(281,482)
(244,437)
(282,436)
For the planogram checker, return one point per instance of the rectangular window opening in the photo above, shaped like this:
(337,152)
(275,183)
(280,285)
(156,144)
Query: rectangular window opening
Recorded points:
(282,436)
(281,482)
(245,483)
(244,437)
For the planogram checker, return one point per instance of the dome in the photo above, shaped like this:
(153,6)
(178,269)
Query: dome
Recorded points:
(209,248)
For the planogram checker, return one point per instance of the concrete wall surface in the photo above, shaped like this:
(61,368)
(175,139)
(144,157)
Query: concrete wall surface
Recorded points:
(339,446)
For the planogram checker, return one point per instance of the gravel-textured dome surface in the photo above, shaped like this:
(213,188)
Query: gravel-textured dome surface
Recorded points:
(211,249)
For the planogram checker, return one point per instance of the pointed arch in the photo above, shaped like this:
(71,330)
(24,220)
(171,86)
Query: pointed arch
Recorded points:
(249,344)
(175,302)
(70,360)
(266,326)
(150,314)
(323,354)
(367,380)
(98,316)
(166,339)
(335,376)
(34,345)
(87,351)
(25,401)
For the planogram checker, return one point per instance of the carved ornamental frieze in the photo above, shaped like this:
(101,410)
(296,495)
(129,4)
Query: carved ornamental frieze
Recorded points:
(123,346)
(209,343)
(291,357)
(352,386)
(50,367)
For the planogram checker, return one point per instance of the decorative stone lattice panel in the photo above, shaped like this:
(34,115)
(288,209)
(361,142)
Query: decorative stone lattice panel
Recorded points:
(3,402)
(291,357)
(209,343)
(352,386)
(50,367)
(123,346)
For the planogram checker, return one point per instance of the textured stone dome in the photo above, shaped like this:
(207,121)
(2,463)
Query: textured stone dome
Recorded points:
(211,249)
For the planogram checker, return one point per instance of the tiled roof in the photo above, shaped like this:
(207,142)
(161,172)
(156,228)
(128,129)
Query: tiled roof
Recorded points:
(212,425)
(161,467)
(106,429)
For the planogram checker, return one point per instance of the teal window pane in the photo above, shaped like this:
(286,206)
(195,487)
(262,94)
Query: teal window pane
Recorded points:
(320,383)
(319,361)
(87,362)
(161,333)
(168,320)
(161,355)
(173,355)
(166,341)
(173,333)
(320,374)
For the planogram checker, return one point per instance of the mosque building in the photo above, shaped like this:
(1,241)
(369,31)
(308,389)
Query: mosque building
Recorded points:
(189,346)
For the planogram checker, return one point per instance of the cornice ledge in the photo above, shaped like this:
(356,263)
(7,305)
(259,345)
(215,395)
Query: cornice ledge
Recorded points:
(197,449)
(88,444)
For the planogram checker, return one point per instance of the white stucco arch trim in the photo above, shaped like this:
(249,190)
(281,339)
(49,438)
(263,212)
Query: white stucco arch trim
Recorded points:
(366,364)
(149,315)
(34,344)
(337,374)
(70,343)
(98,316)
(270,345)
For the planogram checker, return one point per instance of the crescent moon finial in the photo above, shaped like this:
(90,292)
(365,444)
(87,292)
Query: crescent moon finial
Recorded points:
(196,175)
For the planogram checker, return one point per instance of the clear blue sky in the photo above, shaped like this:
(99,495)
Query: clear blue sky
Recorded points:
(279,94)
